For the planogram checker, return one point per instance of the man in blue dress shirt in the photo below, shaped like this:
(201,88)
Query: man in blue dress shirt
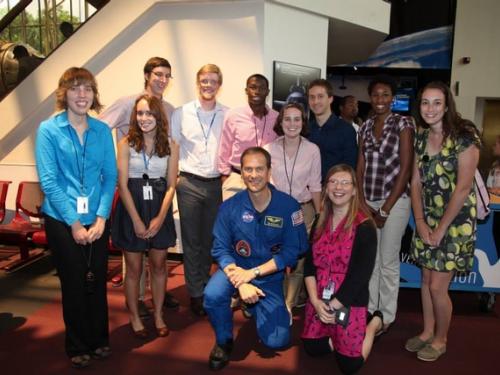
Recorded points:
(335,137)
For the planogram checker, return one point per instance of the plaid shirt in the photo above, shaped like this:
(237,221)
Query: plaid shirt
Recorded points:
(382,156)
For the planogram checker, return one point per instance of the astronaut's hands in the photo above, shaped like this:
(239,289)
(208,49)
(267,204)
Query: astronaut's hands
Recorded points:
(239,276)
(250,293)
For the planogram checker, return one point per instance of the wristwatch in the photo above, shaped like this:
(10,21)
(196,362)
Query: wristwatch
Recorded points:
(256,271)
(382,213)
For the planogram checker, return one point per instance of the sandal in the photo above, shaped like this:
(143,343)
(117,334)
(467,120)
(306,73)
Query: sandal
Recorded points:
(101,353)
(80,361)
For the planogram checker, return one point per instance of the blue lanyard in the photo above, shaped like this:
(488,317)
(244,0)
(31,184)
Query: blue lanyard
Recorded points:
(81,172)
(205,136)
(146,160)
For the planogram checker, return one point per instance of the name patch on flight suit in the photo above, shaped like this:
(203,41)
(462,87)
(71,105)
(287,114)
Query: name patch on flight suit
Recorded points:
(273,221)
(243,248)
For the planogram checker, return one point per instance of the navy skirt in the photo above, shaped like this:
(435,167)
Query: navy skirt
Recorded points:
(122,230)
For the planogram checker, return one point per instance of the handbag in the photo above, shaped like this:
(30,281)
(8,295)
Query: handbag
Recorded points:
(482,197)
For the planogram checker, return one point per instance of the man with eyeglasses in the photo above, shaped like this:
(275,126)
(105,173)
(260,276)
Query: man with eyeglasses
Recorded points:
(157,75)
(335,137)
(244,127)
(196,127)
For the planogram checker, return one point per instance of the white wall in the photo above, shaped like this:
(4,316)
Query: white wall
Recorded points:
(477,30)
(291,35)
(241,36)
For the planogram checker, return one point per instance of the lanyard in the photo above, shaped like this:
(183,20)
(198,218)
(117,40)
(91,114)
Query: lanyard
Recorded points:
(290,179)
(263,131)
(205,136)
(81,172)
(146,160)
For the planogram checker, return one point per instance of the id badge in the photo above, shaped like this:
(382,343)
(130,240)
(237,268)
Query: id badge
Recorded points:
(328,291)
(205,160)
(147,192)
(82,205)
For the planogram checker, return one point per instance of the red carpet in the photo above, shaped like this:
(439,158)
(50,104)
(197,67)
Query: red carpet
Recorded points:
(36,347)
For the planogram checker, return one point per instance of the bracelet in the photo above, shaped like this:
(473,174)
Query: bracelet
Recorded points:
(382,213)
(419,218)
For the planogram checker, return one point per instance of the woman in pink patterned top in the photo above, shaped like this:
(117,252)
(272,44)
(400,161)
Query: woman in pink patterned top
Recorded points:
(337,272)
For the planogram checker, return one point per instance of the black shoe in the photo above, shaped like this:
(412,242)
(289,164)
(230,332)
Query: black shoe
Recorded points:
(170,301)
(219,356)
(197,306)
(143,310)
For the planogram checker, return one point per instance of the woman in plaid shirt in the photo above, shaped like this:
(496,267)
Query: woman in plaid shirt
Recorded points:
(384,168)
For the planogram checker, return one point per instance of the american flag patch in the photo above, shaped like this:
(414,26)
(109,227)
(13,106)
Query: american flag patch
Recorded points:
(297,218)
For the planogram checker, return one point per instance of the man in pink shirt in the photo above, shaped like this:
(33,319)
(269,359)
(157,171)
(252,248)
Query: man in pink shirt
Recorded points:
(244,127)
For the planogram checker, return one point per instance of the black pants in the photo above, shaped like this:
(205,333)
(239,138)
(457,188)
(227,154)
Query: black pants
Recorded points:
(198,203)
(85,315)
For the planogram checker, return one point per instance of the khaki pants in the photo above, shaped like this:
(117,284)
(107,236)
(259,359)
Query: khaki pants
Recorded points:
(294,281)
(384,283)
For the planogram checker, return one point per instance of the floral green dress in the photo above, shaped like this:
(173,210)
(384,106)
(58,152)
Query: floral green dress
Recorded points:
(438,174)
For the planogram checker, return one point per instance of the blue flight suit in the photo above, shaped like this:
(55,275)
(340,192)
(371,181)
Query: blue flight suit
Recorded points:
(250,238)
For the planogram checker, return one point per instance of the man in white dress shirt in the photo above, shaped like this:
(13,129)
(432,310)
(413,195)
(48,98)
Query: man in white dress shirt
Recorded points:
(196,127)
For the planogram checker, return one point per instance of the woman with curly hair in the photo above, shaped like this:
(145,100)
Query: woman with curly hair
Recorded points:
(444,206)
(147,175)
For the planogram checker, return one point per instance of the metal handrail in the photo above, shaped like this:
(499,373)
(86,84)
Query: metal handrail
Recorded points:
(13,13)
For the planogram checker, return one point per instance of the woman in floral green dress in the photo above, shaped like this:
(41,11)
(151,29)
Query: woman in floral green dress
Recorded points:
(444,206)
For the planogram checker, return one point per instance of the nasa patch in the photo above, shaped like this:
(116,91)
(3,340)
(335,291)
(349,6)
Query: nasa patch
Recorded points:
(297,218)
(243,248)
(273,221)
(247,217)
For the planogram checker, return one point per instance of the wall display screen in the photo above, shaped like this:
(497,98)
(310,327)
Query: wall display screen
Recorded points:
(290,83)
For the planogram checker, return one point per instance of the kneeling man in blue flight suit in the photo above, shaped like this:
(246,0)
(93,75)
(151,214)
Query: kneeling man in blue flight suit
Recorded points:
(258,232)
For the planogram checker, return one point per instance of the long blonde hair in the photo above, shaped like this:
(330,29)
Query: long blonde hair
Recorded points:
(327,206)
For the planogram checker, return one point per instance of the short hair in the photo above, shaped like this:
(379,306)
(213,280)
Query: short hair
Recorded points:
(256,150)
(321,83)
(278,126)
(342,101)
(135,135)
(155,62)
(383,79)
(76,76)
(209,68)
(260,77)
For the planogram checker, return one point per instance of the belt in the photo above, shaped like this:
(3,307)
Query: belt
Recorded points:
(235,170)
(200,178)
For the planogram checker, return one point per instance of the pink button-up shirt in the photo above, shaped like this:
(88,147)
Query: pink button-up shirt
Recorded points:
(241,130)
(301,179)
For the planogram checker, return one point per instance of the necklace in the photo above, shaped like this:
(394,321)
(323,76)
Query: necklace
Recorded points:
(289,179)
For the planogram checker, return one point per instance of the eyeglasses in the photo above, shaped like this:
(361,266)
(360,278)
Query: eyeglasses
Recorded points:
(343,183)
(160,75)
(206,82)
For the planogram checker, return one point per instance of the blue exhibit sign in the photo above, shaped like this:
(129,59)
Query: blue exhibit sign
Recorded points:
(485,275)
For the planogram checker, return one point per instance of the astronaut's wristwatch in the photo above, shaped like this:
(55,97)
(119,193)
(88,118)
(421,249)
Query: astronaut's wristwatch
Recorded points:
(256,271)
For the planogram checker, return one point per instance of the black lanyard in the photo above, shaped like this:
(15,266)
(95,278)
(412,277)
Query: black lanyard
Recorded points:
(263,131)
(290,179)
(81,172)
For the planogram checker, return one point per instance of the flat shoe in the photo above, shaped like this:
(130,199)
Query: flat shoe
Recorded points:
(141,333)
(80,361)
(163,331)
(415,344)
(430,353)
(101,353)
